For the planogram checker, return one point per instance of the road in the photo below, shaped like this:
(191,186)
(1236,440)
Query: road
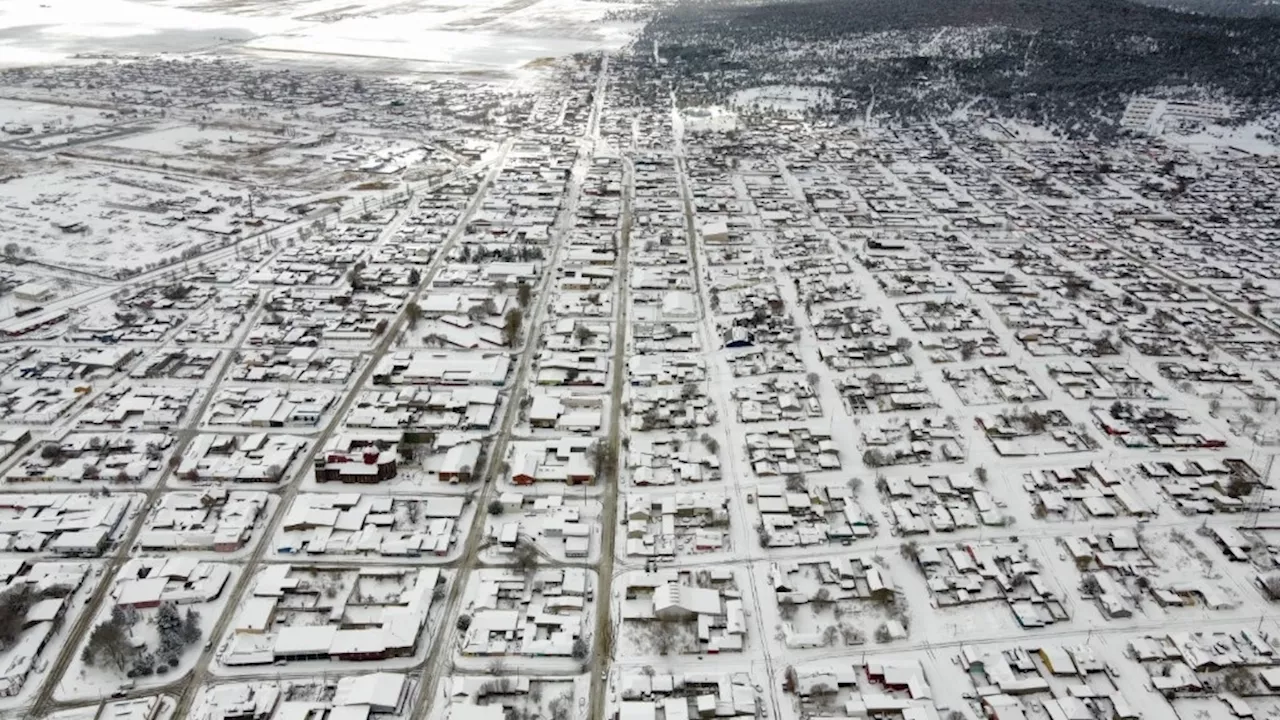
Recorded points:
(602,653)
(79,631)
(746,545)
(1262,323)
(290,490)
(187,686)
(439,659)
(437,663)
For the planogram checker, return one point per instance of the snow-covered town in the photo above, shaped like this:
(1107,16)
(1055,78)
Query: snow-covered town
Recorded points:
(498,361)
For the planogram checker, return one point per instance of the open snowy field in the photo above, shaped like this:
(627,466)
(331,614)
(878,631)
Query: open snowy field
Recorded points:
(454,35)
(252,155)
(115,219)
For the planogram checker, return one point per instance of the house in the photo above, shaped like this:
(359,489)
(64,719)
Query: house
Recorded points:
(437,368)
(637,710)
(460,463)
(680,305)
(362,465)
(1269,582)
(545,411)
(212,519)
(716,231)
(737,337)
(380,692)
(681,602)
(35,292)
(395,628)
(526,471)
(564,460)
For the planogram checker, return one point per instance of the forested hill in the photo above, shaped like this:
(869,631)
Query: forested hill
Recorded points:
(1236,8)
(1068,63)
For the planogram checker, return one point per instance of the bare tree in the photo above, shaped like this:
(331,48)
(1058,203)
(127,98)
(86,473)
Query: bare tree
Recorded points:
(511,323)
(665,634)
(526,555)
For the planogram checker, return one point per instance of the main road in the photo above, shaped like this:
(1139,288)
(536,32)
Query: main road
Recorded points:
(602,654)
(439,659)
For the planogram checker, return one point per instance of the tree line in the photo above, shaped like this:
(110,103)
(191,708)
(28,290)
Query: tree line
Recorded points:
(1068,64)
